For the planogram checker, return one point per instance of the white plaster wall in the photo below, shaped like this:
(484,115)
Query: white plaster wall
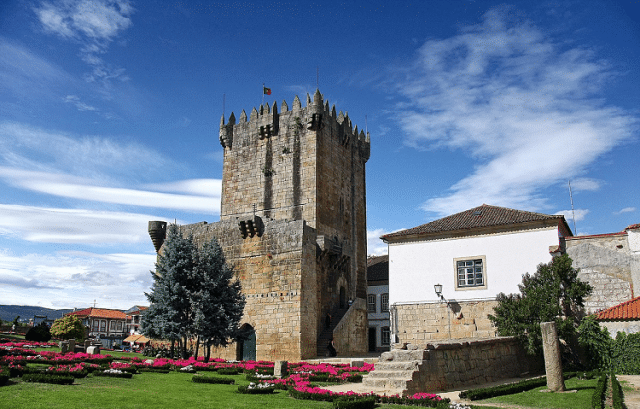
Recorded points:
(414,268)
(633,236)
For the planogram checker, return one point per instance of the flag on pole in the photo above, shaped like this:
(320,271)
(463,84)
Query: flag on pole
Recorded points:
(266,91)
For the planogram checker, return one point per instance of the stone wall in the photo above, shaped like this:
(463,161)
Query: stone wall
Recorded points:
(349,335)
(465,363)
(609,265)
(425,322)
(629,327)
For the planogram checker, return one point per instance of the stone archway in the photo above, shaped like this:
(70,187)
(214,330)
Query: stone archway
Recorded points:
(246,345)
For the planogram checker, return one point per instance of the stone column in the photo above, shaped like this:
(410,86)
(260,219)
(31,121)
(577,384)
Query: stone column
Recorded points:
(552,361)
(280,369)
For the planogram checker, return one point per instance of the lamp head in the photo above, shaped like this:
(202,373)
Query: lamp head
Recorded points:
(438,288)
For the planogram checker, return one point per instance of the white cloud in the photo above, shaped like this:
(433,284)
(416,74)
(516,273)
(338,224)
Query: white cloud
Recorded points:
(579,214)
(375,246)
(79,226)
(625,210)
(75,279)
(96,19)
(75,100)
(516,104)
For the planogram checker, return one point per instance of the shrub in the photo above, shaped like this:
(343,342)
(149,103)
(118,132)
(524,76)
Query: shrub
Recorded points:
(484,393)
(597,399)
(229,371)
(68,327)
(114,373)
(151,369)
(346,402)
(4,377)
(39,333)
(212,379)
(626,354)
(257,389)
(616,393)
(46,378)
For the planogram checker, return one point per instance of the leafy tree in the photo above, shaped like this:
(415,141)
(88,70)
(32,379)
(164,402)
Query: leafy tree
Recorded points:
(596,343)
(39,333)
(192,295)
(68,327)
(552,293)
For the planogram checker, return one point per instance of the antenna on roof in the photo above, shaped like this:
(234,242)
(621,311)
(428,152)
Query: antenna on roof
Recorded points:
(573,212)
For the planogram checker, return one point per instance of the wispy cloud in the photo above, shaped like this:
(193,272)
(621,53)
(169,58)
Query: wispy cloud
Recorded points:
(98,169)
(94,24)
(625,210)
(114,280)
(522,107)
(375,246)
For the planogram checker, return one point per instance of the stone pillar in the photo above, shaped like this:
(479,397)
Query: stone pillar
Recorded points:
(552,361)
(64,347)
(72,345)
(280,369)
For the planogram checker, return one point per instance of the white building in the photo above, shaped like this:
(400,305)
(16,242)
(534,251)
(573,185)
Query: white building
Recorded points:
(378,303)
(474,255)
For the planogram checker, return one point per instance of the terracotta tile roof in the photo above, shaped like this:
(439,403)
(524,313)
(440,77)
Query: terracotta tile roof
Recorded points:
(628,310)
(478,217)
(378,268)
(100,313)
(633,227)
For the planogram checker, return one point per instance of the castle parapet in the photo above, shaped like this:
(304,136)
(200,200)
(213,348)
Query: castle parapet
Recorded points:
(266,122)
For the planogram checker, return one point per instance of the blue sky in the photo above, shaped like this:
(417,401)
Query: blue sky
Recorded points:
(109,116)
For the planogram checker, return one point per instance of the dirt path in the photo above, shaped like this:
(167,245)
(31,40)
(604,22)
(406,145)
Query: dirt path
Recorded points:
(631,397)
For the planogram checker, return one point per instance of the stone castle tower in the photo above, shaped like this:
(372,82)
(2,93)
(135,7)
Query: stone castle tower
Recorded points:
(293,226)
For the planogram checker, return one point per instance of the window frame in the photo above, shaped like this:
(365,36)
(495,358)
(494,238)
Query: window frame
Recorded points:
(373,297)
(385,336)
(384,302)
(474,259)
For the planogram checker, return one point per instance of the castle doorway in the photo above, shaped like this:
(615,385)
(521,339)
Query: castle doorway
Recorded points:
(246,350)
(343,301)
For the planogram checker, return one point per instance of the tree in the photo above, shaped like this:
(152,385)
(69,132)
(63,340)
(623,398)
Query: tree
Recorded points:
(68,327)
(192,295)
(39,333)
(552,293)
(217,301)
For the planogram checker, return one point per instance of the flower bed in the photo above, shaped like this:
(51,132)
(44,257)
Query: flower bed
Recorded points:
(212,379)
(257,388)
(47,378)
(114,373)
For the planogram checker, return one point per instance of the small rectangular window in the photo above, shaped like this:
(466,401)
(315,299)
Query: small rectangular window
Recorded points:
(384,303)
(385,335)
(371,303)
(103,325)
(470,272)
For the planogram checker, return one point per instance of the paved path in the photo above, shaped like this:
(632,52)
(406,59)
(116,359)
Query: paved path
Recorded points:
(631,397)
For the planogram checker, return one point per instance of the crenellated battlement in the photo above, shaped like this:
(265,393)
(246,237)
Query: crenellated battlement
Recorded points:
(267,122)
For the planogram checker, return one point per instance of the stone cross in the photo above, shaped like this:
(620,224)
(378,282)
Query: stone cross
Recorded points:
(280,369)
(552,362)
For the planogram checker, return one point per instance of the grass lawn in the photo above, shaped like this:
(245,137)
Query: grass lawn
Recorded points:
(537,399)
(147,390)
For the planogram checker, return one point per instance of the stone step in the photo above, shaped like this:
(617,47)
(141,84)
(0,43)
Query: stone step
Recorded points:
(399,366)
(407,375)
(397,384)
(401,355)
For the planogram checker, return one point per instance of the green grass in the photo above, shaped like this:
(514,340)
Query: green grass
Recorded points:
(537,399)
(147,390)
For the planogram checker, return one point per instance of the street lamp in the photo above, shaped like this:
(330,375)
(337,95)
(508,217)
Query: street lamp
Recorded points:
(438,288)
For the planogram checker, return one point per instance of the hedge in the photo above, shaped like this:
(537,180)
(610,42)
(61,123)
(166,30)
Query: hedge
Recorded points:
(46,378)
(367,402)
(597,399)
(616,393)
(485,393)
(212,379)
(126,375)
(256,391)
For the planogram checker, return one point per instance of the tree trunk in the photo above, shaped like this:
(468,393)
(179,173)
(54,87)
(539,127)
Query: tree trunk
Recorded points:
(195,353)
(208,353)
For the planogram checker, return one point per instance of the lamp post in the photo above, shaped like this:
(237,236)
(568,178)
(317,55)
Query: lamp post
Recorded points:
(438,290)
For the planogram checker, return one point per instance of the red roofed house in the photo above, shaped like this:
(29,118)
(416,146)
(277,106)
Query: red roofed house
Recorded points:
(623,317)
(107,325)
(473,255)
(134,319)
(610,263)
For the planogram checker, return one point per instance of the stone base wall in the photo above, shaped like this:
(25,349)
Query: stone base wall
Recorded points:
(466,363)
(629,327)
(424,322)
(350,335)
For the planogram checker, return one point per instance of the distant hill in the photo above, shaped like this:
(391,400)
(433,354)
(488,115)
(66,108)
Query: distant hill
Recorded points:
(9,312)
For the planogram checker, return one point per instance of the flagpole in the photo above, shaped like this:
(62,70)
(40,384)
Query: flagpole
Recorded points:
(263,93)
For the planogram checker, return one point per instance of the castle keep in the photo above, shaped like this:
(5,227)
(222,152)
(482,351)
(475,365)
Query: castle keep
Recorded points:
(293,226)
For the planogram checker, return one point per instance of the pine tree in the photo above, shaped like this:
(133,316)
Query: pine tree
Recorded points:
(193,295)
(217,300)
(552,293)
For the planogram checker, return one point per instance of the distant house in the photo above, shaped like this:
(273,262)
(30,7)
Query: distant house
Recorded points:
(104,324)
(378,303)
(610,263)
(134,319)
(624,317)
(473,256)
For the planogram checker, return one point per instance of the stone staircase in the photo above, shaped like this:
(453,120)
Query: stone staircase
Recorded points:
(327,333)
(396,371)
